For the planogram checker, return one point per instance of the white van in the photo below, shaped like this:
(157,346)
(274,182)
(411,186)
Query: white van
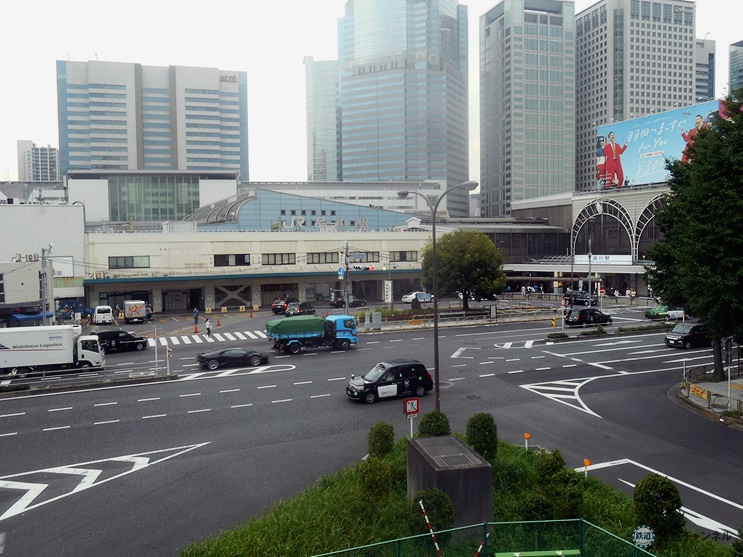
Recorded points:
(103,315)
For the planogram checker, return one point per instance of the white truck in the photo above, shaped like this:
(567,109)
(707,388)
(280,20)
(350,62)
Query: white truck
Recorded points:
(135,310)
(58,347)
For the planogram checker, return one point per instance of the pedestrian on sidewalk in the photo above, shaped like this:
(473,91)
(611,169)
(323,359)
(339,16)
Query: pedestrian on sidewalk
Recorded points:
(208,326)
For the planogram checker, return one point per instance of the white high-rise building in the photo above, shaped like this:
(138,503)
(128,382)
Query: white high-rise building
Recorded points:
(704,70)
(527,102)
(633,58)
(37,164)
(122,116)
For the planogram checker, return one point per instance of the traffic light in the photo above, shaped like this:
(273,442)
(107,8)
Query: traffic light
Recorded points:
(554,321)
(364,267)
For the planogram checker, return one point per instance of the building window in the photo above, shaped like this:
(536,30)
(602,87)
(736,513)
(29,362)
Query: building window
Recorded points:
(323,257)
(365,257)
(279,259)
(403,256)
(231,260)
(133,262)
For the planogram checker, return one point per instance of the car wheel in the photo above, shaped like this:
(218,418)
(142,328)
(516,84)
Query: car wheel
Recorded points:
(609,322)
(293,348)
(140,346)
(344,344)
(212,364)
(255,360)
(370,397)
(420,391)
(84,365)
(687,344)
(587,303)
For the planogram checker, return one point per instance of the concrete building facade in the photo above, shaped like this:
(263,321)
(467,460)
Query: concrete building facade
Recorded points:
(125,116)
(527,102)
(633,58)
(37,164)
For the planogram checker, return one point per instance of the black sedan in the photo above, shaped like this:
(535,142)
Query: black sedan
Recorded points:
(587,316)
(299,308)
(117,341)
(231,357)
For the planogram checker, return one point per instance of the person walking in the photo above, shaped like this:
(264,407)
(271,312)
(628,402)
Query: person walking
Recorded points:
(208,326)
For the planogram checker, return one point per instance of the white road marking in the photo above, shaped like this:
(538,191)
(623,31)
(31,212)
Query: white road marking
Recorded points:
(148,399)
(267,387)
(230,391)
(105,404)
(241,405)
(219,337)
(154,416)
(487,375)
(175,341)
(185,339)
(106,422)
(163,341)
(240,336)
(8,434)
(12,415)
(189,394)
(151,341)
(56,428)
(251,335)
(542,368)
(197,339)
(517,371)
(60,409)
(337,379)
(209,339)
(485,363)
(320,396)
(282,400)
(229,336)
(199,411)
(303,383)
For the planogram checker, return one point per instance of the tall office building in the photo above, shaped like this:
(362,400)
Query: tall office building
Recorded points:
(403,93)
(527,102)
(704,70)
(736,66)
(121,116)
(323,121)
(37,164)
(634,58)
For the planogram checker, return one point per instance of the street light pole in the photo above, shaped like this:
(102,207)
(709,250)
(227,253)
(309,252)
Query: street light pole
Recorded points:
(43,275)
(469,186)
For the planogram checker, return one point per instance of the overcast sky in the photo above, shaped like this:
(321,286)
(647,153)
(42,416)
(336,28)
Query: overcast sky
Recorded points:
(266,39)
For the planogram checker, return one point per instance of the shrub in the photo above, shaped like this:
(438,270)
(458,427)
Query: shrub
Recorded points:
(738,544)
(374,480)
(434,424)
(547,465)
(658,504)
(381,439)
(438,507)
(482,435)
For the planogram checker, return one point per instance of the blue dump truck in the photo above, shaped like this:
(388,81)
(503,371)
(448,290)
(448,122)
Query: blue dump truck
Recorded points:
(291,334)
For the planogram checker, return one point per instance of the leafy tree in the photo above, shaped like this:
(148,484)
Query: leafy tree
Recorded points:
(468,262)
(698,263)
(482,435)
(374,480)
(738,544)
(434,424)
(381,439)
(658,504)
(438,507)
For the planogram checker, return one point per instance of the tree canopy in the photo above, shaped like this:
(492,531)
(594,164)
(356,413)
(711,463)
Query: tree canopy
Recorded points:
(698,263)
(468,262)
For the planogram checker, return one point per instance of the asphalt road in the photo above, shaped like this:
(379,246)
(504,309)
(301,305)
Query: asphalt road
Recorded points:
(145,469)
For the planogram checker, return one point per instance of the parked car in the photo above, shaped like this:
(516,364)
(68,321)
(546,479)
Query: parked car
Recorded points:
(581,298)
(392,378)
(279,304)
(299,308)
(687,335)
(587,316)
(118,341)
(664,312)
(353,302)
(420,296)
(231,357)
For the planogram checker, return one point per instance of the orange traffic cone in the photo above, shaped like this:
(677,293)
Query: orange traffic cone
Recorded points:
(196,329)
(251,313)
(218,322)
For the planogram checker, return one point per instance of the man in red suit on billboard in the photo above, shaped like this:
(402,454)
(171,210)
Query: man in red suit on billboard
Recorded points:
(689,137)
(613,154)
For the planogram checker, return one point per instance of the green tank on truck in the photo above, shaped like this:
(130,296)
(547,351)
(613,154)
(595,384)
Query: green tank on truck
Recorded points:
(291,334)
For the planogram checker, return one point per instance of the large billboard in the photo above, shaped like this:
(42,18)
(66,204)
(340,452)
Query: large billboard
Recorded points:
(634,152)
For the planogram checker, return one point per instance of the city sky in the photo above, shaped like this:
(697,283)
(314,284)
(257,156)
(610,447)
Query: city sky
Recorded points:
(268,40)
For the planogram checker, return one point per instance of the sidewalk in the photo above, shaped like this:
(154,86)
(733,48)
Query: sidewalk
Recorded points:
(720,400)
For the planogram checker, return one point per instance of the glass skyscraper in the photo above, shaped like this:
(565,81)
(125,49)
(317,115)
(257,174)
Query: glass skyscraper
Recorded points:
(736,66)
(403,93)
(122,116)
(527,102)
(323,122)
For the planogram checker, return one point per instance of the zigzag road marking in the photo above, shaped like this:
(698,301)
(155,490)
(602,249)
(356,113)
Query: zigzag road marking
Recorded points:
(91,474)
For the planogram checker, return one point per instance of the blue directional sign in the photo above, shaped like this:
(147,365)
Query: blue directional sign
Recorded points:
(341,272)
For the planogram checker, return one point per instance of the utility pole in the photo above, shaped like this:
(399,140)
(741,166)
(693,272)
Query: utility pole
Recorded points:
(347,280)
(43,277)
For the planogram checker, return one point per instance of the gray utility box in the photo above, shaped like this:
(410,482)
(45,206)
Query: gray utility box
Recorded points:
(453,467)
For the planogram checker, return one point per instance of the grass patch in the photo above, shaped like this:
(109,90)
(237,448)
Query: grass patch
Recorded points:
(331,515)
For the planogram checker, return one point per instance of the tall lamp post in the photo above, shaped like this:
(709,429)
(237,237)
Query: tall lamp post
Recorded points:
(469,186)
(43,276)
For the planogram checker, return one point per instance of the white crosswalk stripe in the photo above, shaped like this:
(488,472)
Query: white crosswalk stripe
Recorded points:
(202,338)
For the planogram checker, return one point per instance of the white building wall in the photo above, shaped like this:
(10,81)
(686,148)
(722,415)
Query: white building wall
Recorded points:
(94,195)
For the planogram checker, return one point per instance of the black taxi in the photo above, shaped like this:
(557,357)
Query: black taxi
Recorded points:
(389,379)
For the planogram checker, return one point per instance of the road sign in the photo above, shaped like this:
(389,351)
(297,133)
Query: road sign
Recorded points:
(563,302)
(643,536)
(412,407)
(341,272)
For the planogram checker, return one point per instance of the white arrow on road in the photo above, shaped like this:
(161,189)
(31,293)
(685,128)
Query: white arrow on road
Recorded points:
(89,475)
